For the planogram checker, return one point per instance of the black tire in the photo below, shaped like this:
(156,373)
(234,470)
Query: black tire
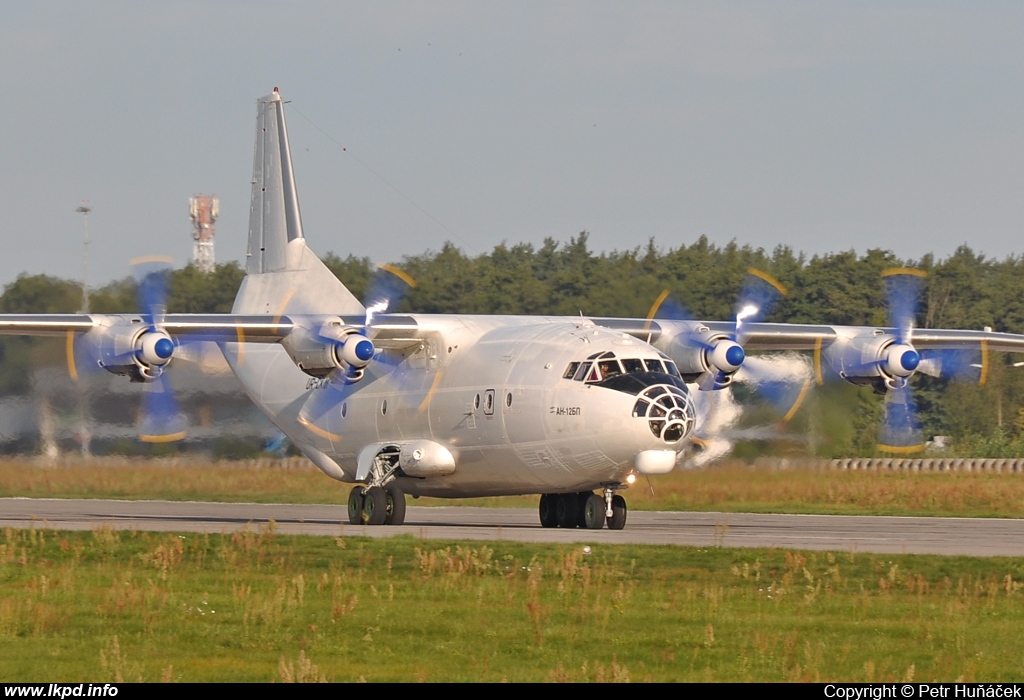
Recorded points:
(355,506)
(567,509)
(618,519)
(375,506)
(593,514)
(548,514)
(396,506)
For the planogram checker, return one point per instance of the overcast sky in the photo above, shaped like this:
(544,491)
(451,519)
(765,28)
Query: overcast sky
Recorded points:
(821,126)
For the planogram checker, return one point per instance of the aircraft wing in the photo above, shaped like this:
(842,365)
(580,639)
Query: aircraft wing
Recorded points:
(399,331)
(45,324)
(796,336)
(390,332)
(758,336)
(216,327)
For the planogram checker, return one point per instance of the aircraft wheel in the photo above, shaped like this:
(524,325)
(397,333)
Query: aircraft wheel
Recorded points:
(396,506)
(593,515)
(618,519)
(567,509)
(375,506)
(355,506)
(548,514)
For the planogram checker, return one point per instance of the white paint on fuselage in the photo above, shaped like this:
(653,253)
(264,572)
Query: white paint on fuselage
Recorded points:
(489,388)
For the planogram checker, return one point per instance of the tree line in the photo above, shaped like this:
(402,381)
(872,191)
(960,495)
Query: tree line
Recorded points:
(965,290)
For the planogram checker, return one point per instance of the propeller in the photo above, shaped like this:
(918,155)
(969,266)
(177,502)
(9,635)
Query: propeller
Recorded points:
(324,410)
(901,430)
(783,381)
(161,419)
(721,356)
(141,353)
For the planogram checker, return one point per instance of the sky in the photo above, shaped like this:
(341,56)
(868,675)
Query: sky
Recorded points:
(824,126)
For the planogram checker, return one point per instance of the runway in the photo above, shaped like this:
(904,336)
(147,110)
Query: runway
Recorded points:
(844,533)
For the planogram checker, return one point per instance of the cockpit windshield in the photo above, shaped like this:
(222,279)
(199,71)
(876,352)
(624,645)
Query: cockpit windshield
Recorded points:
(601,366)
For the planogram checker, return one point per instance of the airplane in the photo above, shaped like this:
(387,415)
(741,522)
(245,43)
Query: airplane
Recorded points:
(572,409)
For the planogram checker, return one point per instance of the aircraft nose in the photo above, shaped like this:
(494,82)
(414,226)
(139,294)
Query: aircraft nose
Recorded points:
(668,411)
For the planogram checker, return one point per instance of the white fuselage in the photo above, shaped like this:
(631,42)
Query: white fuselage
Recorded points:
(489,389)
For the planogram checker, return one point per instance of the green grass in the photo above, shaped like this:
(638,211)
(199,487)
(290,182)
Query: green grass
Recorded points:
(257,606)
(731,487)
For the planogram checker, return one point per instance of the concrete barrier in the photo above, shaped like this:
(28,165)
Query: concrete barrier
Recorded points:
(887,464)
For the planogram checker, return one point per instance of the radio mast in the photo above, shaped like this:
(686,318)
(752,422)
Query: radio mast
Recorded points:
(203,210)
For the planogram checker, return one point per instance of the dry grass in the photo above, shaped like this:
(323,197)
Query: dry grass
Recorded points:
(739,488)
(727,487)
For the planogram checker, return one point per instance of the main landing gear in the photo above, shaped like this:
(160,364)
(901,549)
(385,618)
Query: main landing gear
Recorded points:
(585,510)
(379,501)
(376,505)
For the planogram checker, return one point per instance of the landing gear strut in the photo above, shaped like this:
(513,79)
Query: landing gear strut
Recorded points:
(586,510)
(618,519)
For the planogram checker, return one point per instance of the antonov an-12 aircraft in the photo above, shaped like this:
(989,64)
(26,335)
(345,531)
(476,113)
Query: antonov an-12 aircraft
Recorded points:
(570,408)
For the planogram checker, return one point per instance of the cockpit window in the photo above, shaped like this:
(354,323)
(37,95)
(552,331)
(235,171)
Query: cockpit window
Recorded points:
(605,365)
(654,366)
(633,365)
(581,373)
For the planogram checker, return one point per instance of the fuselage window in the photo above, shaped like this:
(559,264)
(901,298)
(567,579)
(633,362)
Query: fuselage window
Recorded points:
(654,366)
(476,402)
(571,370)
(581,373)
(489,402)
(508,399)
(344,409)
(384,407)
(633,366)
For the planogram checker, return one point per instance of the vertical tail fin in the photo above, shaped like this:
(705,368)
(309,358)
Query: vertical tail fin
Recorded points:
(283,275)
(274,218)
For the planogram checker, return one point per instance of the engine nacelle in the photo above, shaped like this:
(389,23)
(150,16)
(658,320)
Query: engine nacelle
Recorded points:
(332,346)
(138,351)
(879,361)
(704,353)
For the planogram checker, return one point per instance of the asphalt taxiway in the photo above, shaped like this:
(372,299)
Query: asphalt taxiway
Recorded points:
(845,533)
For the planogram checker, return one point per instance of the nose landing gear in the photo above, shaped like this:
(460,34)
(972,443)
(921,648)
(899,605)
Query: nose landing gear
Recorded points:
(584,510)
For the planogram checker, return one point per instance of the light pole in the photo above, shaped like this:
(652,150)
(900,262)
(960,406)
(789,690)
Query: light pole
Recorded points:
(84,210)
(83,401)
